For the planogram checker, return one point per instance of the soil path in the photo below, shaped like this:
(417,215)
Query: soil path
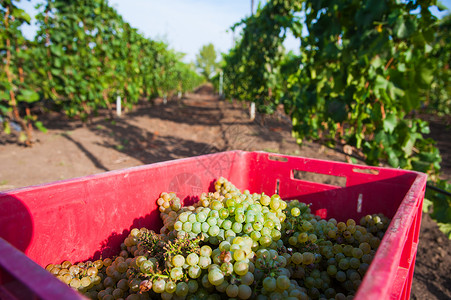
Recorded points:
(196,125)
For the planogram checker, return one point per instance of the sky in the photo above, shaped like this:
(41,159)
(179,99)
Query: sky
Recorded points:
(186,25)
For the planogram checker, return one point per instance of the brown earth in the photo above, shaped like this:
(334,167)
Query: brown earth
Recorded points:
(196,125)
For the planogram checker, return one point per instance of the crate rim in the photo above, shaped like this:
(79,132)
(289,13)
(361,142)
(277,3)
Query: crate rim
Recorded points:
(375,287)
(178,160)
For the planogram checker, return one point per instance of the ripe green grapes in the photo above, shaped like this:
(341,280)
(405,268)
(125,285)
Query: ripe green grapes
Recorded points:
(233,244)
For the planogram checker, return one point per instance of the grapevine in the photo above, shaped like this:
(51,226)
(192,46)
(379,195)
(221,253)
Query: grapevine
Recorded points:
(81,60)
(364,71)
(16,88)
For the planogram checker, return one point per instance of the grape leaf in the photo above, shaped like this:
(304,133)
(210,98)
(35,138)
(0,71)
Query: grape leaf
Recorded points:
(427,205)
(28,96)
(40,126)
(22,15)
(390,123)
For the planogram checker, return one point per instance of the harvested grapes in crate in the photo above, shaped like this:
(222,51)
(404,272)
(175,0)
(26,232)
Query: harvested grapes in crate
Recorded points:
(233,244)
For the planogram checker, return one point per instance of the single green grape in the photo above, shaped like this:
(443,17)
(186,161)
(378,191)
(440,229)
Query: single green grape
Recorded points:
(204,262)
(237,227)
(213,230)
(176,273)
(232,291)
(194,271)
(269,284)
(244,291)
(215,277)
(192,259)
(182,289)
(295,212)
(178,260)
(170,287)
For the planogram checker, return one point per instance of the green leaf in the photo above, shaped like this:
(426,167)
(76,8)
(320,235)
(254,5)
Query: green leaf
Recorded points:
(376,62)
(409,142)
(6,127)
(442,210)
(404,27)
(445,228)
(4,109)
(56,50)
(4,95)
(421,166)
(427,204)
(381,137)
(401,67)
(296,28)
(392,158)
(424,126)
(21,15)
(40,126)
(411,99)
(390,123)
(57,62)
(429,157)
(28,96)
(400,28)
(426,72)
(56,72)
(408,55)
(441,6)
(380,83)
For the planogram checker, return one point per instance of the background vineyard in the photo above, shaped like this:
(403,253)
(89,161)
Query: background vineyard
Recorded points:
(83,57)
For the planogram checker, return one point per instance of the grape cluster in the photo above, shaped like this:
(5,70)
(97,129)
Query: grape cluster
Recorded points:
(233,244)
(224,215)
(81,276)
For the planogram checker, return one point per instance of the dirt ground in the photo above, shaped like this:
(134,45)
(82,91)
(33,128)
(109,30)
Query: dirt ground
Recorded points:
(198,124)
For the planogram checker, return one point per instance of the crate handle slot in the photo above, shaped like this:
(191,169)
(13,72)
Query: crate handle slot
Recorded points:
(277,158)
(359,203)
(366,171)
(319,178)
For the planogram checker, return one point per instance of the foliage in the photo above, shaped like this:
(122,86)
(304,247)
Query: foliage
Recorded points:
(93,55)
(252,69)
(439,96)
(440,205)
(82,58)
(365,69)
(206,61)
(189,78)
(16,93)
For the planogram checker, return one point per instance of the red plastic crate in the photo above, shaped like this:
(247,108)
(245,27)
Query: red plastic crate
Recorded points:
(88,217)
